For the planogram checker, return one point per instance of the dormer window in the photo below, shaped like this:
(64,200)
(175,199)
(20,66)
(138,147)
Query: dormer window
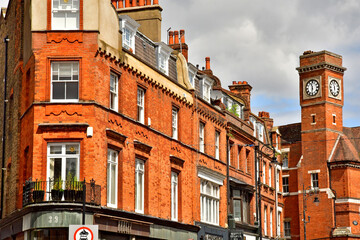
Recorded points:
(129,27)
(163,55)
(192,74)
(65,15)
(206,84)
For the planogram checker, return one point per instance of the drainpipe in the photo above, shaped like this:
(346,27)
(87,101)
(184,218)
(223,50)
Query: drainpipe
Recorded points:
(6,40)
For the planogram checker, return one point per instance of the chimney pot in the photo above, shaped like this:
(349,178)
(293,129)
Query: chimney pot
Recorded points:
(156,2)
(134,3)
(197,66)
(176,33)
(120,4)
(171,38)
(141,2)
(207,60)
(127,3)
(148,2)
(182,35)
(245,82)
(234,82)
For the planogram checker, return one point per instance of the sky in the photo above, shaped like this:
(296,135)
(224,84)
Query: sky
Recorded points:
(260,41)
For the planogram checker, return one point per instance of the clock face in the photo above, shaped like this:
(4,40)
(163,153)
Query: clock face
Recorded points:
(334,88)
(312,87)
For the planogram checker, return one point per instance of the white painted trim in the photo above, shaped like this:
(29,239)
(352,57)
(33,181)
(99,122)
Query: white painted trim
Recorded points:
(299,163)
(333,150)
(284,150)
(314,171)
(348,200)
(211,175)
(280,209)
(285,175)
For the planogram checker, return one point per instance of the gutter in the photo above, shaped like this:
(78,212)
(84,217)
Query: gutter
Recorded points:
(6,40)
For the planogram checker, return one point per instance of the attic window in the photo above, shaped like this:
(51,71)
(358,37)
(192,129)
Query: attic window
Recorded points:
(163,55)
(129,27)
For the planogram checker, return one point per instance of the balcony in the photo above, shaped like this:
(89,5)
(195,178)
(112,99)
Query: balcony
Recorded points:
(71,191)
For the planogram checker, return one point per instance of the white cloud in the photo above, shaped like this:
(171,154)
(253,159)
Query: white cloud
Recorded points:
(260,42)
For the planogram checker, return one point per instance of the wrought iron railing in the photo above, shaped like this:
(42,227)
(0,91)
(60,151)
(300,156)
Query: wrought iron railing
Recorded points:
(61,191)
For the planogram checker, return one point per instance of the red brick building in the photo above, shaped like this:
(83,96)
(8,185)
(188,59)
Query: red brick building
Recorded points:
(320,156)
(100,113)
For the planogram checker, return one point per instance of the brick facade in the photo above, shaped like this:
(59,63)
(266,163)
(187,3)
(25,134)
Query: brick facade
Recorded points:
(86,128)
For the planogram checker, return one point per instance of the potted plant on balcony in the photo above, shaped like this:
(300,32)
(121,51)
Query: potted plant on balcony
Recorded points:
(38,193)
(69,192)
(57,192)
(79,191)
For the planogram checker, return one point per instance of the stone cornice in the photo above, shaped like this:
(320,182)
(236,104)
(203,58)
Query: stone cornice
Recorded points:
(320,103)
(345,164)
(319,66)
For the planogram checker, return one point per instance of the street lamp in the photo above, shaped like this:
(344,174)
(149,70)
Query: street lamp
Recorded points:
(258,156)
(311,191)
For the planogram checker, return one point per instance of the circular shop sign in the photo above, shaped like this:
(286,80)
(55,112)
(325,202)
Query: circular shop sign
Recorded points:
(83,233)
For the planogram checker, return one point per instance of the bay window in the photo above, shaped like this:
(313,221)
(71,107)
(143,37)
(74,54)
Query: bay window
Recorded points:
(241,206)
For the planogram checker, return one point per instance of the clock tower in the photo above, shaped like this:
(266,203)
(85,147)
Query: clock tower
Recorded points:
(321,99)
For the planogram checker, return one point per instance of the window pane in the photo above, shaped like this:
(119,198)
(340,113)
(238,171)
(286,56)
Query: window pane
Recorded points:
(65,71)
(72,20)
(237,209)
(113,183)
(58,20)
(58,90)
(72,149)
(71,168)
(55,149)
(55,168)
(72,91)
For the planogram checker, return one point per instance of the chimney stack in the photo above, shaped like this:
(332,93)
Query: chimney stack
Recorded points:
(243,90)
(269,122)
(146,12)
(175,44)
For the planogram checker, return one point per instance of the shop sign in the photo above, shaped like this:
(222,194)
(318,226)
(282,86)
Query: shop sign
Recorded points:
(83,232)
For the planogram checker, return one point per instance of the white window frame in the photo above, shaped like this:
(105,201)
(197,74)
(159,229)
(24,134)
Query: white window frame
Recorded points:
(277,179)
(192,73)
(314,180)
(139,185)
(163,54)
(264,172)
(111,162)
(141,105)
(175,122)
(285,184)
(74,70)
(271,223)
(63,156)
(265,220)
(174,195)
(206,89)
(217,145)
(74,8)
(114,93)
(285,164)
(278,227)
(209,202)
(129,28)
(201,137)
(270,175)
